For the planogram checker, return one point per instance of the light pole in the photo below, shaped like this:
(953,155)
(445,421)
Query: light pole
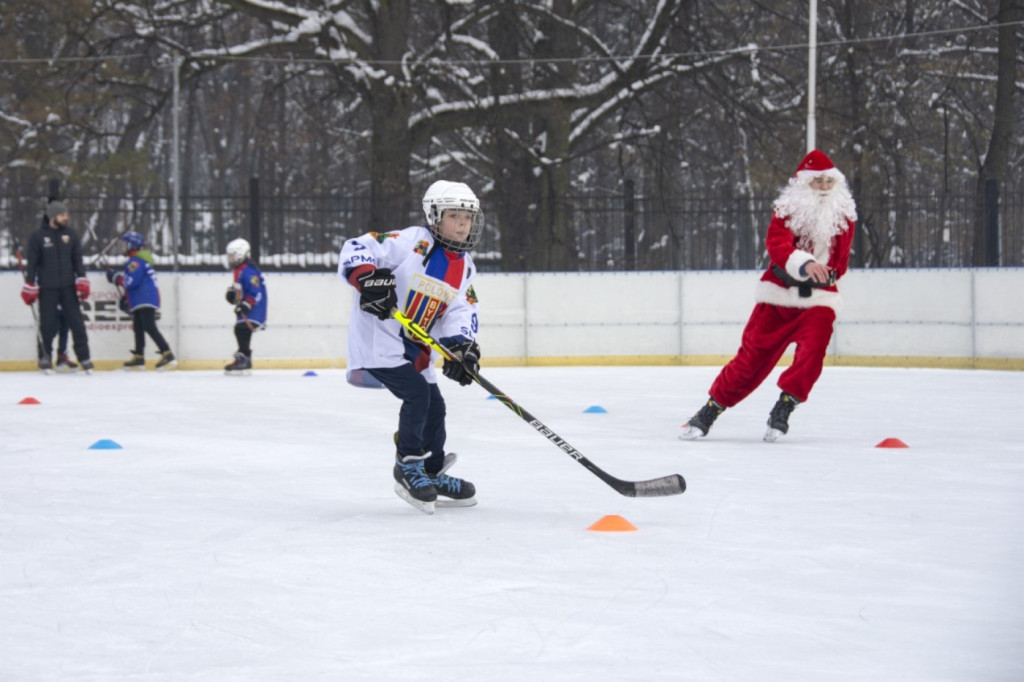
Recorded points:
(812,71)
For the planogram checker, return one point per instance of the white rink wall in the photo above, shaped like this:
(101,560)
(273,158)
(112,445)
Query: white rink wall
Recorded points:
(951,318)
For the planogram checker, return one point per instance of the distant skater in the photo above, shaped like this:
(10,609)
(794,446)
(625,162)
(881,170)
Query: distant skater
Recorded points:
(141,300)
(56,276)
(248,294)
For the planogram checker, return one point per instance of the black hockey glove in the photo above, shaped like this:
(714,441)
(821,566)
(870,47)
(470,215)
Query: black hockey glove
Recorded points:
(466,362)
(230,295)
(243,307)
(377,293)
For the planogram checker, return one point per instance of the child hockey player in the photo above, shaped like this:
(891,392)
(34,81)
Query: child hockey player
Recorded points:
(808,241)
(248,293)
(141,299)
(427,273)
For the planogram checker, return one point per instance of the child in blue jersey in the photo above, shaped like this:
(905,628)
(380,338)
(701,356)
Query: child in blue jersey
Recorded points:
(248,293)
(141,298)
(427,273)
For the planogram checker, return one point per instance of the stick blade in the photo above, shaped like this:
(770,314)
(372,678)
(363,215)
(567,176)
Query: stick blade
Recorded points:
(673,484)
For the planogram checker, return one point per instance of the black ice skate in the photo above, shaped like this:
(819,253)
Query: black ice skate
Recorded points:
(412,483)
(241,366)
(700,423)
(778,420)
(166,361)
(65,364)
(136,362)
(452,491)
(46,365)
(87,366)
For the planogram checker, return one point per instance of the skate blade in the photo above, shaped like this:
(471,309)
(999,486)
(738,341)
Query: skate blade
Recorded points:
(447,502)
(138,368)
(237,372)
(170,365)
(772,435)
(46,371)
(691,433)
(425,507)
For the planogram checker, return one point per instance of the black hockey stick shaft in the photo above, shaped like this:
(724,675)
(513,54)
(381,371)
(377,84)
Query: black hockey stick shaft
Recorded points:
(673,484)
(35,316)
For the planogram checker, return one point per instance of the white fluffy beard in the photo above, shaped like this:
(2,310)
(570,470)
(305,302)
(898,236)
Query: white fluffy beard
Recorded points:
(816,217)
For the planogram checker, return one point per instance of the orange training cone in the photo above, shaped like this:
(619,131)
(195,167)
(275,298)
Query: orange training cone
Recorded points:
(612,522)
(28,401)
(892,443)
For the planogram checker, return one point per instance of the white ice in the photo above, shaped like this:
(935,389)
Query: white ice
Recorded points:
(247,530)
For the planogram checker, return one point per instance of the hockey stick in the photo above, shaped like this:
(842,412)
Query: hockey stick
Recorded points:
(100,259)
(673,484)
(35,315)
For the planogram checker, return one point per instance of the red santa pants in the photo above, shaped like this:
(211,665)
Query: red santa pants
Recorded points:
(768,333)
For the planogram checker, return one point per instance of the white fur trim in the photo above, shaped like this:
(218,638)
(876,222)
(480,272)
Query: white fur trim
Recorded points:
(789,297)
(806,175)
(796,260)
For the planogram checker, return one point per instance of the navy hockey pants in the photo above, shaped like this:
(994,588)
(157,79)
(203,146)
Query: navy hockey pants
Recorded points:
(421,418)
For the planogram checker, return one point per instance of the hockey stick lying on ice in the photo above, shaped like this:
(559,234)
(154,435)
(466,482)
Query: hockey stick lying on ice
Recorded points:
(673,484)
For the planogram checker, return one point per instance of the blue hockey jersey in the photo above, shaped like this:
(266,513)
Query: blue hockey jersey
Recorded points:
(250,286)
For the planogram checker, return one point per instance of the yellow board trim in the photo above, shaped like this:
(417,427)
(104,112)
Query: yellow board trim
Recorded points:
(907,361)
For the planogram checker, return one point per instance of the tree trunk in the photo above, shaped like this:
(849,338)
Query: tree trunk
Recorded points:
(998,155)
(554,243)
(391,139)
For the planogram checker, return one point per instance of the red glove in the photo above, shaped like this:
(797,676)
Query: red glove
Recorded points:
(82,286)
(29,293)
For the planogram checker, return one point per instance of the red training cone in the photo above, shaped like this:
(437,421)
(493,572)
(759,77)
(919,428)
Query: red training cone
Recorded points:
(28,401)
(892,443)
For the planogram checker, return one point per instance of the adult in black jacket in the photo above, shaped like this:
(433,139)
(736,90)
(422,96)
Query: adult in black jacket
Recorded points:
(56,276)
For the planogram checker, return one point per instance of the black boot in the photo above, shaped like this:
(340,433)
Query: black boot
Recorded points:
(413,484)
(240,366)
(137,361)
(451,490)
(778,420)
(700,423)
(166,361)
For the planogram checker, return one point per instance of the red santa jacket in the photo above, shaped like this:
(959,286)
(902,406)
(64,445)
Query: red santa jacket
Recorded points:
(784,253)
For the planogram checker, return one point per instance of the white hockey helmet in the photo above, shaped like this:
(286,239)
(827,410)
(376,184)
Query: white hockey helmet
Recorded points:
(444,195)
(238,251)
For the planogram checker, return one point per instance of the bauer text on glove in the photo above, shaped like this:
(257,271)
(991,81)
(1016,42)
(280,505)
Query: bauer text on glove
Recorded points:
(377,292)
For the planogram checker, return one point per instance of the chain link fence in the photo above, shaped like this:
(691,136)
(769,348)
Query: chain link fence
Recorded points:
(614,232)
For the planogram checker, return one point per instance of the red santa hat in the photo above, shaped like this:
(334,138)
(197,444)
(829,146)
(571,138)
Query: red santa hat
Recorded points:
(814,164)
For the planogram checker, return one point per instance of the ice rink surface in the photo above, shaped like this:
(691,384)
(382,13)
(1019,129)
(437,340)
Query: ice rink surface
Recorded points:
(247,530)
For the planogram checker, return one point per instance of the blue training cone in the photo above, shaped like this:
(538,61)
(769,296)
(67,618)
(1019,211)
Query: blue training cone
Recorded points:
(595,409)
(309,373)
(105,444)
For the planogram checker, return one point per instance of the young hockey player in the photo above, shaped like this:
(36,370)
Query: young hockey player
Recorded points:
(141,299)
(248,294)
(427,273)
(808,241)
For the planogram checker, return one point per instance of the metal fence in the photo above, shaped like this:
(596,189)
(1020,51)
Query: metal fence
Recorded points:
(686,231)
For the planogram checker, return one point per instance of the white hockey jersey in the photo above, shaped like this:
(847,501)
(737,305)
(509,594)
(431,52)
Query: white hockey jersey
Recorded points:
(435,290)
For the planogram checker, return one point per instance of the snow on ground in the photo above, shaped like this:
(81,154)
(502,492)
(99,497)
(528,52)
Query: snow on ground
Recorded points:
(247,530)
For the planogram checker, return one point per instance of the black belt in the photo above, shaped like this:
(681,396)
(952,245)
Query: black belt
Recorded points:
(804,287)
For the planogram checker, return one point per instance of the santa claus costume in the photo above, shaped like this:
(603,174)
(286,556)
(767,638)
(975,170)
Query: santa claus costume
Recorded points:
(808,243)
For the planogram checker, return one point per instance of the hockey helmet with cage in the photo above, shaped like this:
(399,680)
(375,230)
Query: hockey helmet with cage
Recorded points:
(443,196)
(133,241)
(238,252)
